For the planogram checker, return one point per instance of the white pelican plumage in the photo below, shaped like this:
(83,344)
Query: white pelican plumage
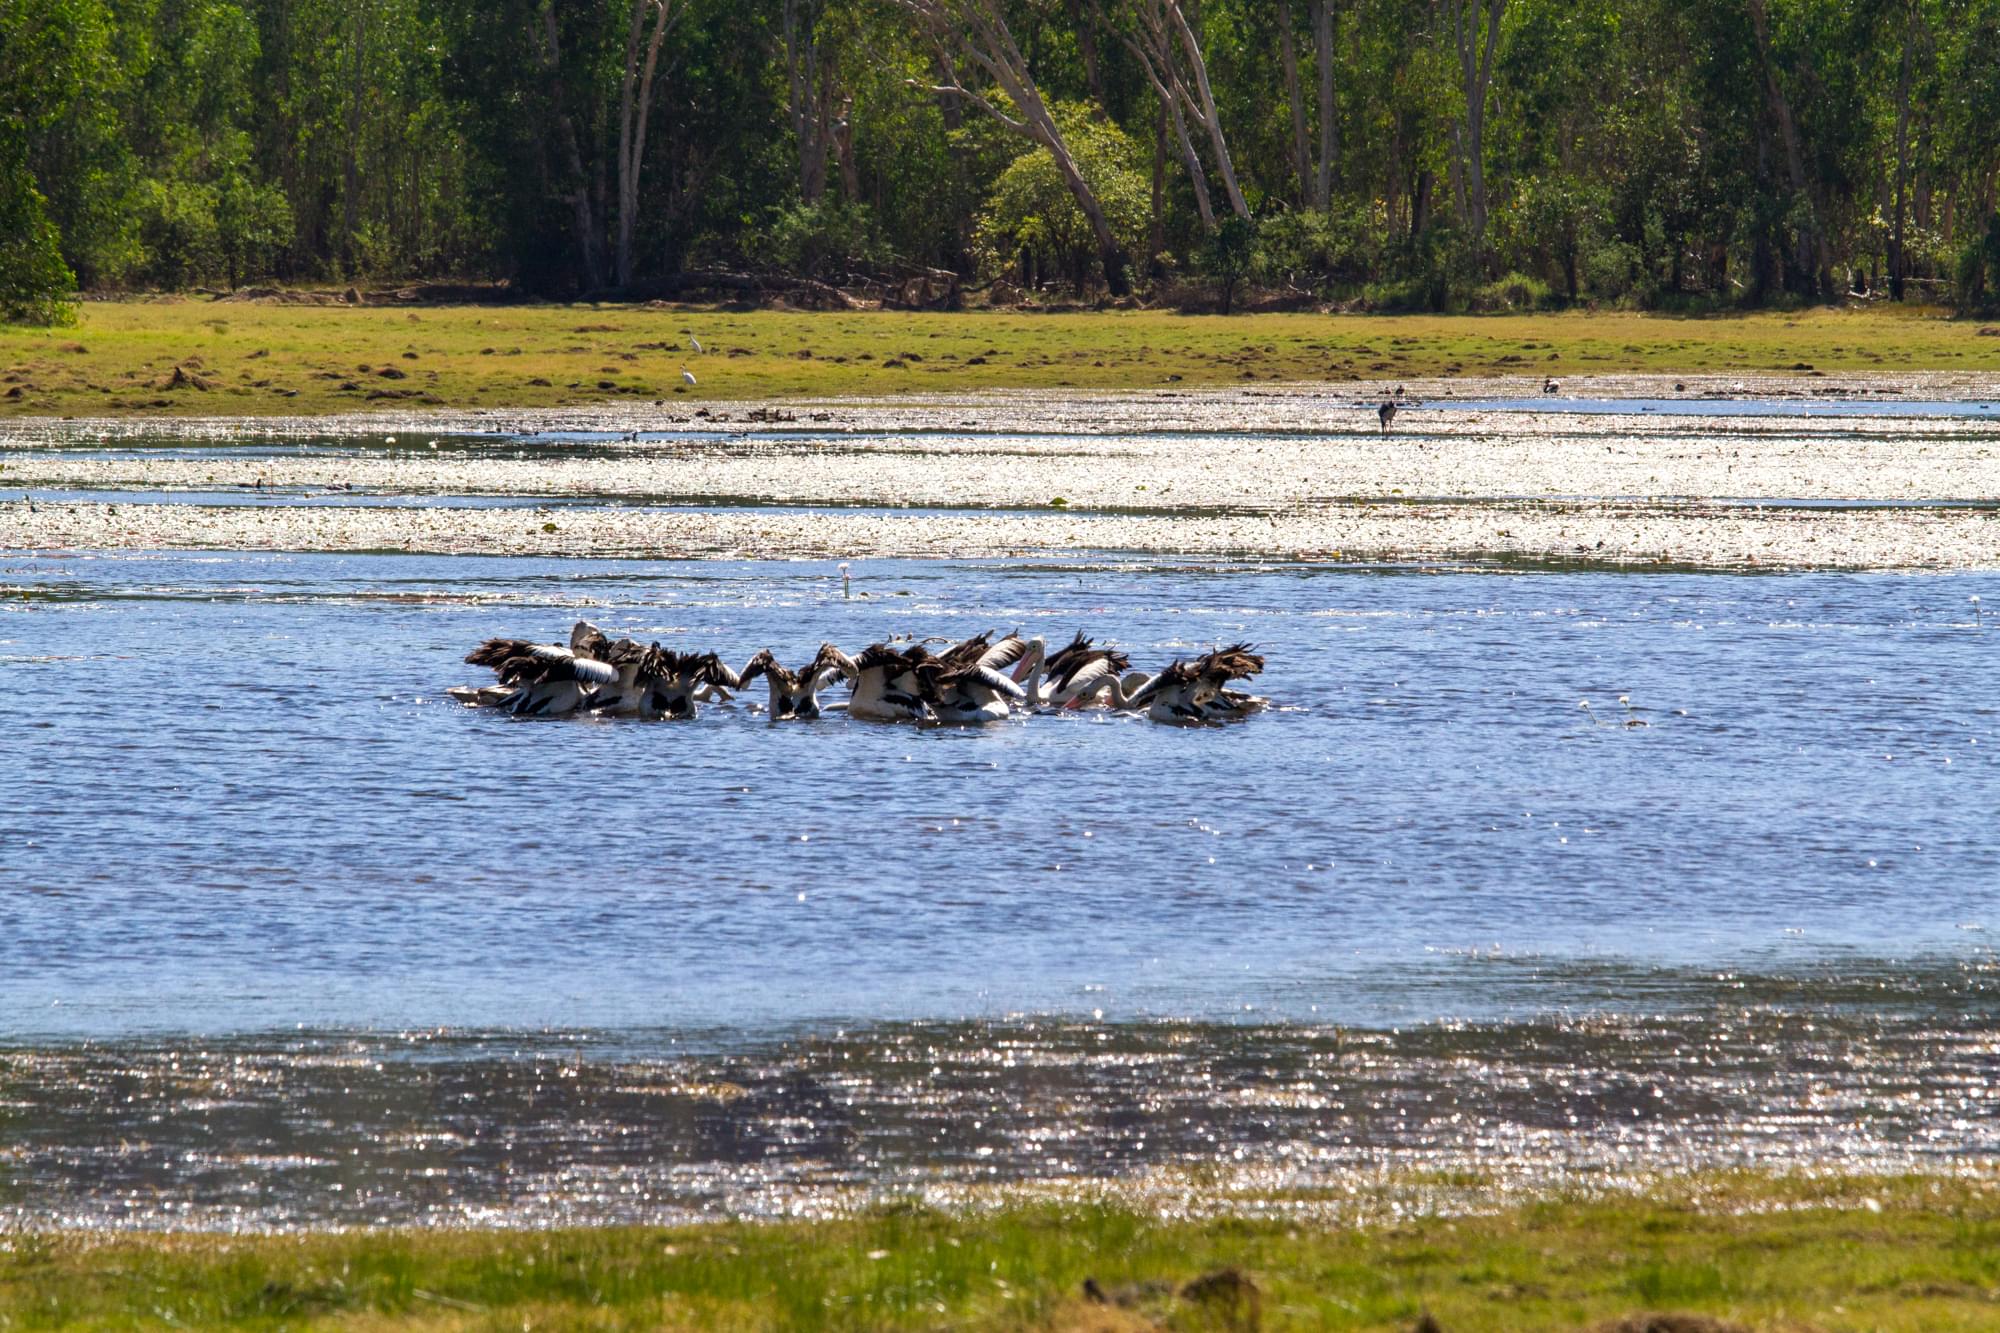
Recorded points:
(1077,676)
(888,685)
(541,679)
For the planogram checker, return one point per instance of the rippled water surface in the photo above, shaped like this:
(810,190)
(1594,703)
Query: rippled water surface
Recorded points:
(263,887)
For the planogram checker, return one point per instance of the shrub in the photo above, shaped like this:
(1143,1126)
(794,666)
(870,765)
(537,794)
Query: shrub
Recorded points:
(36,287)
(1612,271)
(1516,291)
(823,240)
(1230,255)
(1031,219)
(1320,251)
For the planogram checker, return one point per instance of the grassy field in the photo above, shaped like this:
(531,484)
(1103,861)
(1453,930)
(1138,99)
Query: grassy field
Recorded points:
(170,357)
(1757,1252)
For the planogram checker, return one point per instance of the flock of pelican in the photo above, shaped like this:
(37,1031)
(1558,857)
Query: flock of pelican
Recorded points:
(977,681)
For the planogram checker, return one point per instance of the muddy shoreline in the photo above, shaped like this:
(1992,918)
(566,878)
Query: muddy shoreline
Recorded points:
(1302,474)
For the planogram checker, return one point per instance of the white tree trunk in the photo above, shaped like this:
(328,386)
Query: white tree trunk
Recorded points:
(1165,45)
(976,31)
(635,106)
(1476,77)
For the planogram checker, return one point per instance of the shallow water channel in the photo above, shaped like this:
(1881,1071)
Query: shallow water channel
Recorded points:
(286,937)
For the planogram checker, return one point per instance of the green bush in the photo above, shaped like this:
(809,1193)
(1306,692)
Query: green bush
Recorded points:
(1322,251)
(1230,255)
(36,287)
(1612,271)
(823,240)
(1031,220)
(1976,277)
(1516,291)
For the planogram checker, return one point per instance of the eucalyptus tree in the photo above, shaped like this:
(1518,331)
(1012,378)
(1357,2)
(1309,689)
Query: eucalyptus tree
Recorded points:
(973,35)
(1167,48)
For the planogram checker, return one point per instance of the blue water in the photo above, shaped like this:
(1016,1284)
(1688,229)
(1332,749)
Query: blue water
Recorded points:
(239,799)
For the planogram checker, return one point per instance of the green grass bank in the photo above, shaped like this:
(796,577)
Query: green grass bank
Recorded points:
(169,357)
(1747,1251)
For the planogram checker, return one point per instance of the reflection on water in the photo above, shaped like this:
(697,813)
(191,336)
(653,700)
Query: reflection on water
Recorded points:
(1428,911)
(440,1128)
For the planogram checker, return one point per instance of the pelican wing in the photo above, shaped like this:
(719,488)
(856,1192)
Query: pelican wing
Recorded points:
(1235,662)
(998,681)
(1091,664)
(971,651)
(879,655)
(584,669)
(1177,675)
(496,651)
(1086,676)
(1006,652)
(831,658)
(716,672)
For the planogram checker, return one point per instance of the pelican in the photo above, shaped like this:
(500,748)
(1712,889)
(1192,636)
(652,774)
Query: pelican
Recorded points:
(1236,662)
(541,679)
(638,672)
(1075,677)
(1190,693)
(971,695)
(1386,413)
(888,685)
(681,680)
(796,693)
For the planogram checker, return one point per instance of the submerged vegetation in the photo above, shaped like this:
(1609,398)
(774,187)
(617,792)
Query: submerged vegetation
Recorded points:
(1376,153)
(1725,1252)
(244,359)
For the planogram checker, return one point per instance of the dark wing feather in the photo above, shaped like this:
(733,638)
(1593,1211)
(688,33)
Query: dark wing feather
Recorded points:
(1177,675)
(879,655)
(971,650)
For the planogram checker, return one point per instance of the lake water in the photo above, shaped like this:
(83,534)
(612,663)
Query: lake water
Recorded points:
(275,915)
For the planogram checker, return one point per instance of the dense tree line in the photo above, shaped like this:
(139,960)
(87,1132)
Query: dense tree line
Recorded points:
(1398,153)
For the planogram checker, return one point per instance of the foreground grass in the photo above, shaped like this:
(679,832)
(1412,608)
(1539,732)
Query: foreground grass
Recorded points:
(251,360)
(1891,1254)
